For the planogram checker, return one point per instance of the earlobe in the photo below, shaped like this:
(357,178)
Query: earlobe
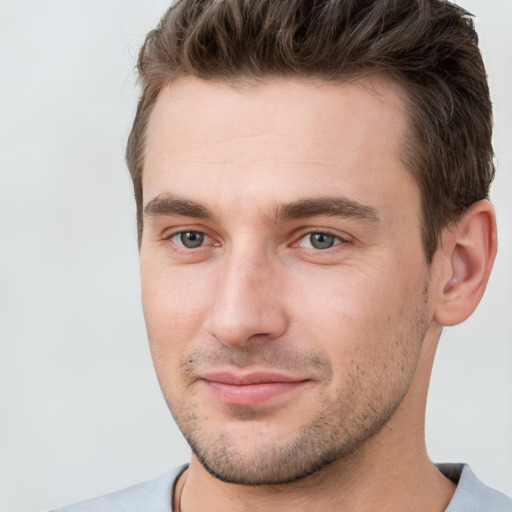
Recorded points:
(468,253)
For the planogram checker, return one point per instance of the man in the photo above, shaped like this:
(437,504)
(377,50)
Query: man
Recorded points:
(312,187)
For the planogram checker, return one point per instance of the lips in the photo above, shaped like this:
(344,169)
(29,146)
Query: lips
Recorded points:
(250,389)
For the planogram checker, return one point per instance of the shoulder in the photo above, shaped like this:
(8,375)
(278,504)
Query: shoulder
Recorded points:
(152,496)
(471,494)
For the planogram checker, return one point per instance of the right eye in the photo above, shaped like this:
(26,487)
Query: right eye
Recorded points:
(189,239)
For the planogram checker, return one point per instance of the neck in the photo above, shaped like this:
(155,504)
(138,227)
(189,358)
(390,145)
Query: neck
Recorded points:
(404,480)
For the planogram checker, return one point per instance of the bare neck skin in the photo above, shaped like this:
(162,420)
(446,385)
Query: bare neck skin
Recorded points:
(391,472)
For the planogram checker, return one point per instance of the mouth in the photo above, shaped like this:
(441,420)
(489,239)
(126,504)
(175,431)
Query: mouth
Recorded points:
(250,389)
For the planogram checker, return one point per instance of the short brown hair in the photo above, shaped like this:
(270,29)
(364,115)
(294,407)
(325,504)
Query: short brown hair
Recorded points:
(429,46)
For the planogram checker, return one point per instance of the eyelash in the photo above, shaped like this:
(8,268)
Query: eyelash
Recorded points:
(337,240)
(180,244)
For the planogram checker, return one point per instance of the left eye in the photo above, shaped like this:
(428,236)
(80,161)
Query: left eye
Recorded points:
(319,241)
(190,239)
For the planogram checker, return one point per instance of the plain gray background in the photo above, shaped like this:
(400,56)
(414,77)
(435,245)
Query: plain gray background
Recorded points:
(81,411)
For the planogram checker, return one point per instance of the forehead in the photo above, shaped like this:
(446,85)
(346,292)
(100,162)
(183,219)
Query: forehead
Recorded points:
(275,139)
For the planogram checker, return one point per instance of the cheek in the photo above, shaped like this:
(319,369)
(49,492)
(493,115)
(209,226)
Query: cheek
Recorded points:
(346,299)
(174,307)
(363,320)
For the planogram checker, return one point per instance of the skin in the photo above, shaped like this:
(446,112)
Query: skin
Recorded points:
(353,323)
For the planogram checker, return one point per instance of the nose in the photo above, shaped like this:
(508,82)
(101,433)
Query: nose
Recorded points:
(247,303)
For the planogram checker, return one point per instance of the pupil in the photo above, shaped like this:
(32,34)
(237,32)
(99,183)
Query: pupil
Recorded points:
(321,240)
(191,239)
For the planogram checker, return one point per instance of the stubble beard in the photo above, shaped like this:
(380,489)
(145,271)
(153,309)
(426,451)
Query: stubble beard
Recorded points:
(339,428)
(324,440)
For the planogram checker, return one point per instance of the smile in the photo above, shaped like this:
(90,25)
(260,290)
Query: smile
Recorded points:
(251,389)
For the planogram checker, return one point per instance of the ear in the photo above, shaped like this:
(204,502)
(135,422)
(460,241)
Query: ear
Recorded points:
(467,255)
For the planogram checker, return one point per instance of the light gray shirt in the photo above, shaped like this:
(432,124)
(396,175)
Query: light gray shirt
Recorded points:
(471,495)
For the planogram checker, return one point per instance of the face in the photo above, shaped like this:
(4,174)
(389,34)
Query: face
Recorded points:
(284,283)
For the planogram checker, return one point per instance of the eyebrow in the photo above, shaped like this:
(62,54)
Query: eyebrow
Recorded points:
(168,204)
(329,207)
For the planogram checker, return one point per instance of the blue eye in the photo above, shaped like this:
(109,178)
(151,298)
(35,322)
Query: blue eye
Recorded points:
(319,241)
(190,239)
